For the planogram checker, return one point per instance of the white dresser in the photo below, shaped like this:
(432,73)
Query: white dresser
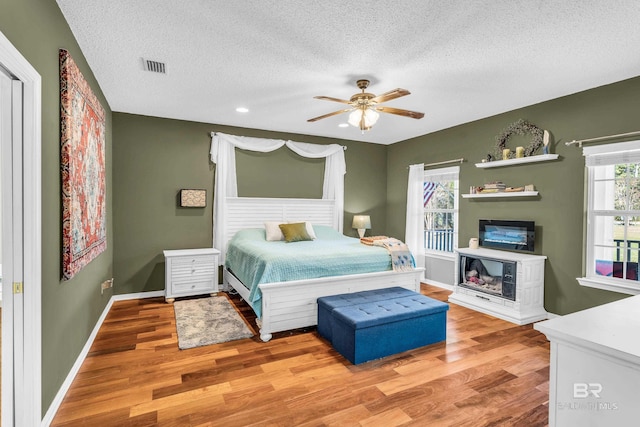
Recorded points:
(190,272)
(594,377)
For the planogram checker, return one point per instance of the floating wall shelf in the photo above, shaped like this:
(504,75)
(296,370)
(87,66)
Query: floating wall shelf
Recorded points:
(501,194)
(510,162)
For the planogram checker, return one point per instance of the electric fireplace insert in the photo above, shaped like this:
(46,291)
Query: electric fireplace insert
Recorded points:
(491,276)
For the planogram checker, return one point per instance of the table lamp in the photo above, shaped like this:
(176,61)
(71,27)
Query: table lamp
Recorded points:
(362,223)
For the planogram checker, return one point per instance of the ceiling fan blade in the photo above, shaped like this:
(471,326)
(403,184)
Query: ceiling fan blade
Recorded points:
(400,112)
(388,96)
(335,113)
(329,98)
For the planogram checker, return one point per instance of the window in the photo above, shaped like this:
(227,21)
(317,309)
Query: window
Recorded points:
(440,200)
(613,217)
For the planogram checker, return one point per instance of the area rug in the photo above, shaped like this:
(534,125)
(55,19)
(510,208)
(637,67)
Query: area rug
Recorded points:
(206,321)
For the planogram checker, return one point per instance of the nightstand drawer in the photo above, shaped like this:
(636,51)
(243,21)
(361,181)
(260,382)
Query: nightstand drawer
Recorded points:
(202,286)
(195,260)
(192,270)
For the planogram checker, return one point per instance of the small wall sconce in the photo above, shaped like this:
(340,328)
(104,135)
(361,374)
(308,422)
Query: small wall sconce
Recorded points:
(362,223)
(193,198)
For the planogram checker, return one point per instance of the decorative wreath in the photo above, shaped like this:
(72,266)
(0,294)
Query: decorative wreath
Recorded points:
(521,127)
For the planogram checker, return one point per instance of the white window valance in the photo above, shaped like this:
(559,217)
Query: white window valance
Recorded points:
(224,156)
(442,174)
(612,154)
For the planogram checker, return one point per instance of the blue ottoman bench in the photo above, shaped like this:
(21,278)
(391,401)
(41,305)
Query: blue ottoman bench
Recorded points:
(327,304)
(372,330)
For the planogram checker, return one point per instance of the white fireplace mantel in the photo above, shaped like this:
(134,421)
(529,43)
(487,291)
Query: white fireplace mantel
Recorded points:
(528,306)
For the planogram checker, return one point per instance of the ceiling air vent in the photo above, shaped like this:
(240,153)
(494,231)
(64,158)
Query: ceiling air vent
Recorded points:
(154,66)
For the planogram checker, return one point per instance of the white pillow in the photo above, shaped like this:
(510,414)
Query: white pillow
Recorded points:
(309,228)
(273,231)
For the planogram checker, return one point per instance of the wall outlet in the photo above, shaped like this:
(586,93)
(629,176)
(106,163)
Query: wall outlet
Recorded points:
(106,285)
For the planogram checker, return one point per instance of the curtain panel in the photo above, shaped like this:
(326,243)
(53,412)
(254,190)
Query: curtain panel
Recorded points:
(414,233)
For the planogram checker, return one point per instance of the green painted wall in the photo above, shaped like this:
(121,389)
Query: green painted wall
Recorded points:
(156,157)
(69,309)
(558,211)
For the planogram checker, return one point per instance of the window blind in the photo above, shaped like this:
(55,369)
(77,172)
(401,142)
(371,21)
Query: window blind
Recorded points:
(443,174)
(612,154)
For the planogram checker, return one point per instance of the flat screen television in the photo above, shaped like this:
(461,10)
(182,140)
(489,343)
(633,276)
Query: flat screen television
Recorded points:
(507,234)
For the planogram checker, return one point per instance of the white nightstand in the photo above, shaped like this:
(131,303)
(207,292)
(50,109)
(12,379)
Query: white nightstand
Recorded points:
(190,272)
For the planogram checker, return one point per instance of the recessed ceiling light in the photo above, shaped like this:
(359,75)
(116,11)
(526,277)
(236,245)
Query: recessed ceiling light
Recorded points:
(242,110)
(343,125)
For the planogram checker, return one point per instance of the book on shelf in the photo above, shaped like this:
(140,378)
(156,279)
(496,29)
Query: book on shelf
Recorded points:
(495,186)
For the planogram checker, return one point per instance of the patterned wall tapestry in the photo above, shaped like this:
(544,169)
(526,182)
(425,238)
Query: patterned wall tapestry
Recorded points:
(84,230)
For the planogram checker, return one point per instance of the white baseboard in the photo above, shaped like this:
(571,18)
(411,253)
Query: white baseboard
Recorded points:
(438,284)
(139,295)
(64,388)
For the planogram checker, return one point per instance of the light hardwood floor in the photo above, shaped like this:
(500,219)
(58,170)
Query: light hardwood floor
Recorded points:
(489,373)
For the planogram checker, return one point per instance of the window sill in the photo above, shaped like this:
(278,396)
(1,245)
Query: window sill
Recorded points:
(449,256)
(609,285)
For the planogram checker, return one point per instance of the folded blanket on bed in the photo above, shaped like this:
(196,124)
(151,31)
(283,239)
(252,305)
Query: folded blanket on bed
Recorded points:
(369,240)
(401,257)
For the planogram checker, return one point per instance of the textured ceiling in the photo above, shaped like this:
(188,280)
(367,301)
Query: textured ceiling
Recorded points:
(461,60)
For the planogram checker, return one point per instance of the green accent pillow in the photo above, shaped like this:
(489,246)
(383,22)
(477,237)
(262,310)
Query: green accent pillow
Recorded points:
(296,232)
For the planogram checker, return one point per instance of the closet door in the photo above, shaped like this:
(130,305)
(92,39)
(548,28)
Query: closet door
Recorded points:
(21,223)
(11,256)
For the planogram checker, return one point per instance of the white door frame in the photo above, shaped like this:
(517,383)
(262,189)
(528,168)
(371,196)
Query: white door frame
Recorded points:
(29,393)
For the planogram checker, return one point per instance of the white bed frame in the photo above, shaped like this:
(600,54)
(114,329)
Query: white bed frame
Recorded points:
(292,305)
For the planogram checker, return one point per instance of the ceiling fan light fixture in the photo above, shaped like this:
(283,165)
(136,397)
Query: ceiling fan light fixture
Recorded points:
(370,118)
(364,108)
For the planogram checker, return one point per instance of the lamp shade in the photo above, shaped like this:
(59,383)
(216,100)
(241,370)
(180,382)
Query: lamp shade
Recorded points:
(361,221)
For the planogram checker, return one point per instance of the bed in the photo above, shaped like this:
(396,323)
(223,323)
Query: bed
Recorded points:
(284,298)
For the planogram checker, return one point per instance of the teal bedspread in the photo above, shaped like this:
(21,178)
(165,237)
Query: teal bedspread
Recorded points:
(254,260)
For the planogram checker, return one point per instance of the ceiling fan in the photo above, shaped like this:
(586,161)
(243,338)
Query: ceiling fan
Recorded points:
(365,106)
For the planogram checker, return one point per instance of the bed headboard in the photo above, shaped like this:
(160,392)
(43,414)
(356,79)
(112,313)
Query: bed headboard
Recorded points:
(252,212)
